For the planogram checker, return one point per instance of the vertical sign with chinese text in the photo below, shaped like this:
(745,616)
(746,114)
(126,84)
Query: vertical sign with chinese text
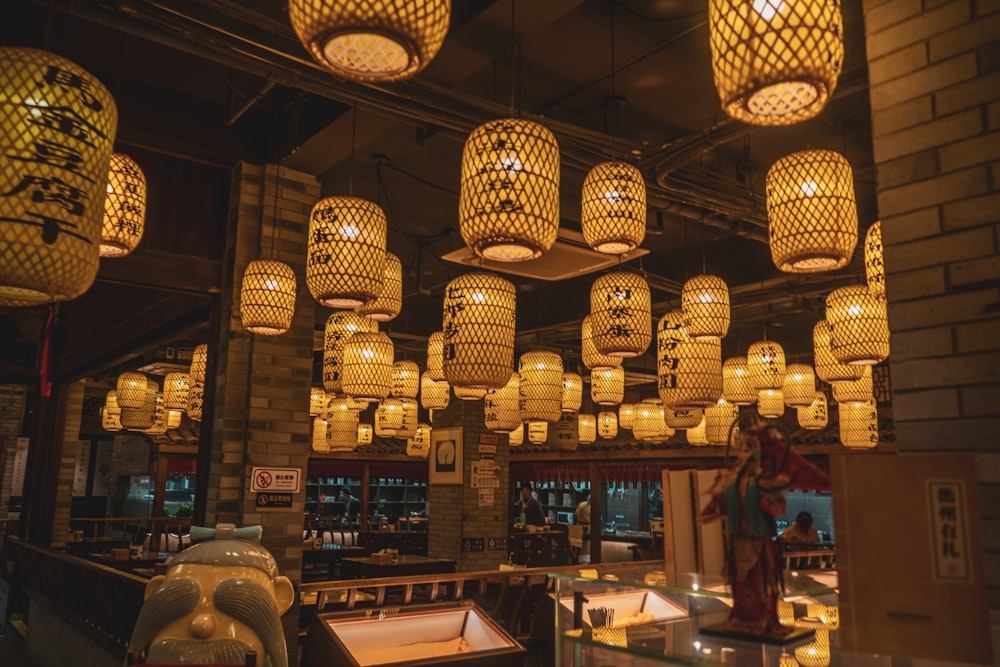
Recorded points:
(949,530)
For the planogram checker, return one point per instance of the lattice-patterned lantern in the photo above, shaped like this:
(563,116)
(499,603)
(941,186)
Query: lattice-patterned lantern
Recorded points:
(696,435)
(501,407)
(469,393)
(860,390)
(705,302)
(411,418)
(390,300)
(368,366)
(365,433)
(267,297)
(626,415)
(736,387)
(175,391)
(689,372)
(613,210)
(766,365)
(159,425)
(508,206)
(828,369)
(111,403)
(828,615)
(111,421)
(405,379)
(341,426)
(383,432)
(131,390)
(607,424)
(140,418)
(538,432)
(419,446)
(346,252)
(770,403)
(435,357)
(339,328)
(174,418)
(607,386)
(371,40)
(859,326)
(593,359)
(57,129)
(199,364)
(649,425)
(586,425)
(389,415)
(434,395)
(874,264)
(317,401)
(799,387)
(124,207)
(775,63)
(516,436)
(786,617)
(684,418)
(478,326)
(620,316)
(541,386)
(811,212)
(572,392)
(319,435)
(815,415)
(813,654)
(720,420)
(196,401)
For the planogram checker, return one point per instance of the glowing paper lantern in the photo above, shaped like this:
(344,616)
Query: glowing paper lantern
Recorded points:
(175,391)
(174,418)
(775,63)
(814,416)
(318,443)
(339,328)
(689,372)
(419,446)
(501,407)
(736,387)
(390,300)
(267,297)
(874,264)
(140,418)
(469,393)
(538,432)
(705,302)
(859,424)
(649,425)
(368,366)
(859,326)
(435,357)
(196,400)
(720,421)
(508,208)
(159,425)
(317,401)
(586,428)
(607,424)
(111,422)
(124,207)
(346,252)
(111,403)
(766,365)
(696,435)
(572,392)
(799,387)
(613,211)
(686,418)
(828,369)
(811,213)
(131,390)
(365,433)
(341,426)
(411,418)
(516,436)
(541,386)
(770,403)
(57,129)
(607,386)
(405,379)
(389,415)
(478,331)
(434,395)
(857,391)
(626,415)
(199,363)
(593,359)
(620,317)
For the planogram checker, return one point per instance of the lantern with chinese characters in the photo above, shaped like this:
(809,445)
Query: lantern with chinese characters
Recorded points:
(405,379)
(196,400)
(175,391)
(365,433)
(814,416)
(390,300)
(620,317)
(689,372)
(111,403)
(593,359)
(317,401)
(607,424)
(368,366)
(110,422)
(874,265)
(766,365)
(538,432)
(411,418)
(685,418)
(345,262)
(341,426)
(389,415)
(339,328)
(478,329)
(572,393)
(124,207)
(419,445)
(501,407)
(613,210)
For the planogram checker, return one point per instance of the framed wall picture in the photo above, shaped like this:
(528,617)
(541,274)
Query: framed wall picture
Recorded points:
(446,456)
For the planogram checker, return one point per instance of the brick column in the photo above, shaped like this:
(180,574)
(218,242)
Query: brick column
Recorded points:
(262,382)
(12,397)
(454,510)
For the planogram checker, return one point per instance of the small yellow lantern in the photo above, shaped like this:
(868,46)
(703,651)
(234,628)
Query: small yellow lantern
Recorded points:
(770,403)
(516,436)
(572,392)
(828,369)
(705,302)
(501,407)
(541,386)
(131,390)
(339,328)
(607,424)
(267,297)
(318,443)
(317,401)
(721,422)
(859,326)
(405,379)
(538,432)
(124,207)
(696,435)
(435,357)
(365,433)
(346,252)
(874,263)
(389,302)
(341,426)
(814,416)
(736,387)
(175,391)
(433,395)
(199,363)
(626,415)
(586,428)
(859,424)
(858,391)
(799,387)
(607,386)
(766,365)
(613,211)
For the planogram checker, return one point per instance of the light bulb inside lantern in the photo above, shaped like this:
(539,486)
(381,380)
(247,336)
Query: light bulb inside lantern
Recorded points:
(478,297)
(809,188)
(510,163)
(854,310)
(350,232)
(768,9)
(613,196)
(705,298)
(271,284)
(368,353)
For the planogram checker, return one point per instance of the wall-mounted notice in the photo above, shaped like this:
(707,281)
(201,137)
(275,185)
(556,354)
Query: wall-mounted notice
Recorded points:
(949,532)
(82,466)
(486,498)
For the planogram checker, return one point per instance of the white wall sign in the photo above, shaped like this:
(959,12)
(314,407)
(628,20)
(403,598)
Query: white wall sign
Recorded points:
(272,480)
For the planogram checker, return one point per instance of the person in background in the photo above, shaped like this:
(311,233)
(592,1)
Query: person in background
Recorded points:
(583,513)
(802,531)
(352,505)
(528,510)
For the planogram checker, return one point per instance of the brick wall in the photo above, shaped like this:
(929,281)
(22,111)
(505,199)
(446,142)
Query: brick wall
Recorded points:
(934,70)
(67,462)
(12,399)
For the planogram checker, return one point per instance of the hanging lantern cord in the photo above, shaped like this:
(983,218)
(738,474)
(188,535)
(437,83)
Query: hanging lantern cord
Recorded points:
(354,134)
(274,220)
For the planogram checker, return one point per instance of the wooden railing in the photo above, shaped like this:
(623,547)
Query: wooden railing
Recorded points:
(162,532)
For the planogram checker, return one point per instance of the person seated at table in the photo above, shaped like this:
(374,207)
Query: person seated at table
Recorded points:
(529,512)
(583,513)
(802,531)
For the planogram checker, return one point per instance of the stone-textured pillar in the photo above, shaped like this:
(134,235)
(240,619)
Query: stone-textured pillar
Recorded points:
(12,398)
(262,382)
(454,511)
(67,462)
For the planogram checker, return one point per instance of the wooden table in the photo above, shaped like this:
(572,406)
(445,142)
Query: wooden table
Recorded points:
(320,564)
(368,568)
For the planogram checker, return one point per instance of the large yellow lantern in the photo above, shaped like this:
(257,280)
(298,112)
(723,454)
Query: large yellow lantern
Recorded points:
(736,386)
(770,403)
(859,326)
(345,265)
(613,211)
(390,300)
(368,366)
(479,323)
(57,129)
(541,386)
(593,359)
(689,372)
(799,387)
(124,207)
(131,390)
(501,407)
(339,328)
(649,425)
(828,369)
(620,316)
(607,386)
(267,297)
(705,302)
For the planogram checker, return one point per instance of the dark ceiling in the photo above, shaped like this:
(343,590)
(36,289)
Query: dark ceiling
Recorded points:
(215,82)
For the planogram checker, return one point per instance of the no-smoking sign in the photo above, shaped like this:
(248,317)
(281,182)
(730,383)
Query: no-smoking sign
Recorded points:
(275,479)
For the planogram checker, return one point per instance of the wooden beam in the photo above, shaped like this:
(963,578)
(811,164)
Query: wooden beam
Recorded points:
(147,267)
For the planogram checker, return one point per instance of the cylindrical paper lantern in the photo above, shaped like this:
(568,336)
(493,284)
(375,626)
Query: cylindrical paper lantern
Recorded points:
(775,63)
(874,265)
(586,428)
(705,301)
(613,210)
(541,386)
(478,331)
(607,424)
(141,418)
(341,426)
(689,372)
(501,407)
(572,392)
(111,403)
(720,421)
(811,212)
(365,433)
(814,416)
(419,446)
(649,425)
(196,399)
(319,435)
(317,401)
(799,387)
(159,425)
(828,369)
(389,415)
(405,379)
(857,391)
(124,207)
(859,326)
(339,328)
(371,40)
(469,393)
(411,417)
(346,252)
(383,432)
(686,418)
(390,300)
(435,357)
(593,359)
(175,391)
(57,129)
(434,395)
(368,366)
(199,363)
(508,205)
(516,436)
(766,365)
(538,432)
(626,415)
(131,390)
(770,403)
(174,418)
(267,297)
(696,435)
(607,386)
(736,387)
(111,422)
(620,318)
